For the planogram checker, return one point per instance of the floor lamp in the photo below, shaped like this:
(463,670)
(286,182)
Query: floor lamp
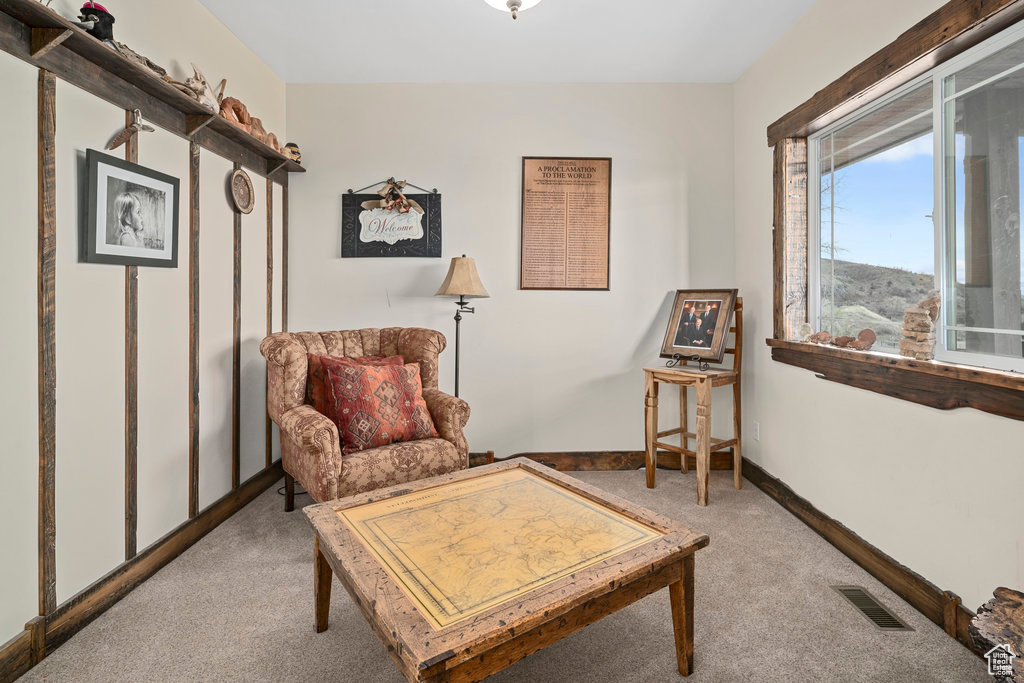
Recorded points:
(462,281)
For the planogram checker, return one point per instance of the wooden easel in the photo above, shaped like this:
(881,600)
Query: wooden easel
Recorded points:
(704,381)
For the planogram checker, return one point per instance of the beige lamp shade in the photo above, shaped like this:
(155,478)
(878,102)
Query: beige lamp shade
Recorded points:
(462,279)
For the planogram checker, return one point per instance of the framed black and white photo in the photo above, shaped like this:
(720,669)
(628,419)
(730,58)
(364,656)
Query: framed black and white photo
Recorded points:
(131,214)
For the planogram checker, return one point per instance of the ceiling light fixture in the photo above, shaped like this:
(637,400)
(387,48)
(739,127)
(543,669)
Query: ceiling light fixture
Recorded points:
(513,6)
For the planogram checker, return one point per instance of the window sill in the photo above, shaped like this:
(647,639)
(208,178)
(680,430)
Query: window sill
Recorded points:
(931,383)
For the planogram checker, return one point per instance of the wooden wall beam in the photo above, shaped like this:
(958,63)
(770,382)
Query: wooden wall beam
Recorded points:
(284,258)
(790,238)
(45,39)
(236,347)
(196,122)
(36,628)
(16,657)
(46,297)
(953,28)
(270,298)
(131,383)
(193,329)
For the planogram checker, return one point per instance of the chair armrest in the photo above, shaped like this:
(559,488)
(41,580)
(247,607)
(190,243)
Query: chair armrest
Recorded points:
(316,460)
(450,415)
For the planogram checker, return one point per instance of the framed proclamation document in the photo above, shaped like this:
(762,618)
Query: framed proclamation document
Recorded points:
(566,223)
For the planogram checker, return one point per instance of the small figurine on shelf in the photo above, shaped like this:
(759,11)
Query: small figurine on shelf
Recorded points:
(95,20)
(197,87)
(291,150)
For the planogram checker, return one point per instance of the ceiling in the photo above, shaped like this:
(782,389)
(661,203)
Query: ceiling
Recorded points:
(467,41)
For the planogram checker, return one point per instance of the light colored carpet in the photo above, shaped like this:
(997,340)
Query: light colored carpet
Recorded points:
(239,606)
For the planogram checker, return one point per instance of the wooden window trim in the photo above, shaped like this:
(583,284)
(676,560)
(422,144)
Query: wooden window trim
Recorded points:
(953,28)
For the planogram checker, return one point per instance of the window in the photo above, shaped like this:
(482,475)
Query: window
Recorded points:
(921,193)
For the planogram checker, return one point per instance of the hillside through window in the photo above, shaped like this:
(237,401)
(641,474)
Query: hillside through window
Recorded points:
(899,215)
(877,235)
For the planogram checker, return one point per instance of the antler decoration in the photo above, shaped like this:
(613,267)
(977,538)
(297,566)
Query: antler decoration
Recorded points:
(132,129)
(393,199)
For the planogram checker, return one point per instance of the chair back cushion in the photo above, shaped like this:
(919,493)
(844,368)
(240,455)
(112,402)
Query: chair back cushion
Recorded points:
(372,405)
(287,365)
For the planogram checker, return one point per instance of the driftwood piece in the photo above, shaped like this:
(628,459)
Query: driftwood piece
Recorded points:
(257,130)
(234,111)
(1000,621)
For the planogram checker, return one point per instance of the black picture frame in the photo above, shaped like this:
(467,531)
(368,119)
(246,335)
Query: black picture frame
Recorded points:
(704,337)
(427,246)
(131,214)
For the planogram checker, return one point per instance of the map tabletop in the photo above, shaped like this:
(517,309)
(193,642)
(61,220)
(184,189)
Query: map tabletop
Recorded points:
(462,547)
(453,567)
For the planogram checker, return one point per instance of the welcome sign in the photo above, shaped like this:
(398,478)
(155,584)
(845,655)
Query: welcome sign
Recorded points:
(383,225)
(379,232)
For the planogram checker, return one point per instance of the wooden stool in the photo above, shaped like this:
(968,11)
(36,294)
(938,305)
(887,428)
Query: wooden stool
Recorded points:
(704,380)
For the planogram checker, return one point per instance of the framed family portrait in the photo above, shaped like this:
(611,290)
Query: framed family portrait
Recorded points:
(131,214)
(699,324)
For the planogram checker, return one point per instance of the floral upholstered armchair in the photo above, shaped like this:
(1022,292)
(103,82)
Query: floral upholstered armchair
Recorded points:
(311,451)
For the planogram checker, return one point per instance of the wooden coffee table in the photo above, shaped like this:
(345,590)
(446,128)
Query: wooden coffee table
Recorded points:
(463,574)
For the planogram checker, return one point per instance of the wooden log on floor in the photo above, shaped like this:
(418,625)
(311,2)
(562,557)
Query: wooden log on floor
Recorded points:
(1000,622)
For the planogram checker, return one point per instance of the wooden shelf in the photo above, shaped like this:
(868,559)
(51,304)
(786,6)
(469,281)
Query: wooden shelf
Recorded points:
(36,34)
(931,383)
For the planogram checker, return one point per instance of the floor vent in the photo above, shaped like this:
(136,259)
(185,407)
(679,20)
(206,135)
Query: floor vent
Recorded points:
(874,611)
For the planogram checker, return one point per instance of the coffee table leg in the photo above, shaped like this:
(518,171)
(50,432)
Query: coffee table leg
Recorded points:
(681,595)
(322,576)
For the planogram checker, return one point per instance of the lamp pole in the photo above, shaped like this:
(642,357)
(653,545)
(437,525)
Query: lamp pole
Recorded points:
(462,308)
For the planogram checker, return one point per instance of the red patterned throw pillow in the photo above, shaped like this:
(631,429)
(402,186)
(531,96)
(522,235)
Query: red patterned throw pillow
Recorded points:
(372,405)
(316,380)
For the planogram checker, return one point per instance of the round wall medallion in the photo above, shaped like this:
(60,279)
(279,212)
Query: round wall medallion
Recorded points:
(241,191)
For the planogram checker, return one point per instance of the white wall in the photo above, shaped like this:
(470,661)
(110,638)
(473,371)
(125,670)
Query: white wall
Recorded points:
(90,319)
(90,366)
(939,491)
(216,258)
(18,352)
(541,370)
